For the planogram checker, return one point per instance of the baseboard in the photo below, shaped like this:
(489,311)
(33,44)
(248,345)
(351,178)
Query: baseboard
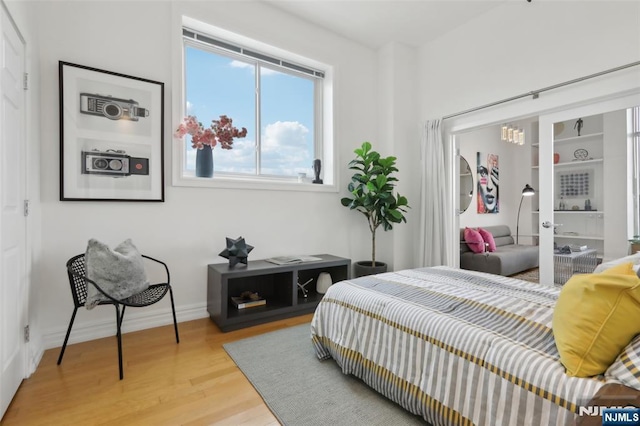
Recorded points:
(35,353)
(135,320)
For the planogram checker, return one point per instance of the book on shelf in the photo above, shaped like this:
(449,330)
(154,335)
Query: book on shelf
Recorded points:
(242,303)
(288,260)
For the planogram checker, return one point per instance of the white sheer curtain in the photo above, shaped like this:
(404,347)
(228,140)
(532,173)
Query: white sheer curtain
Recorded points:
(434,207)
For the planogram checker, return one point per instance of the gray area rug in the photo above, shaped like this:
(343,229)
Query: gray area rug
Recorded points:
(301,390)
(532,275)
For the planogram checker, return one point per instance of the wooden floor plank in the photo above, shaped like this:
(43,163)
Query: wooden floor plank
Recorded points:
(191,383)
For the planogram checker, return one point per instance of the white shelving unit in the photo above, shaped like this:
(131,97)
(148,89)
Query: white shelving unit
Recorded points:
(580,158)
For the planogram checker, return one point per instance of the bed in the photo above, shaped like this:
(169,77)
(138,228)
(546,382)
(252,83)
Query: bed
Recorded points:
(455,347)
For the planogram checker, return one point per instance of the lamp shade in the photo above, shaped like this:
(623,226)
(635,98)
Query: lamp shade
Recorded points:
(528,191)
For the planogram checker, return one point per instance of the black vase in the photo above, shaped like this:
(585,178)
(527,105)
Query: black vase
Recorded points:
(204,162)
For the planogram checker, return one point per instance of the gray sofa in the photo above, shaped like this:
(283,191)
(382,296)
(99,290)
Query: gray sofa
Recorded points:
(508,259)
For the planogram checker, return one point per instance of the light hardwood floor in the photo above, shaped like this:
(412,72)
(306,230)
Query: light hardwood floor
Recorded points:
(191,383)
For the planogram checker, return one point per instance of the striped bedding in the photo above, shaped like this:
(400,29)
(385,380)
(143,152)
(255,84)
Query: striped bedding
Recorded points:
(455,347)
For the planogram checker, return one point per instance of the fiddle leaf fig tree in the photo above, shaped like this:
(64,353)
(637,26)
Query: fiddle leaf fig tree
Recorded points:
(371,189)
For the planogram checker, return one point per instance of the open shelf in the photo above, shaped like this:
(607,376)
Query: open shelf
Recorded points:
(277,284)
(578,138)
(578,163)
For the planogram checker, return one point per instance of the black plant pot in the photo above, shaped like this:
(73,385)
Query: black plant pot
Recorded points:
(362,268)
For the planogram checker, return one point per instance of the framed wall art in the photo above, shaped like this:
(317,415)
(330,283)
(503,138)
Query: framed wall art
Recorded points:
(111,136)
(575,183)
(488,196)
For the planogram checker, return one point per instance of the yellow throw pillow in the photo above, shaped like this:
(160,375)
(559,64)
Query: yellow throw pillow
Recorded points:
(595,317)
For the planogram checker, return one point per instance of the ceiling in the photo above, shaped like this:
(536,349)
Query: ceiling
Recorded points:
(375,23)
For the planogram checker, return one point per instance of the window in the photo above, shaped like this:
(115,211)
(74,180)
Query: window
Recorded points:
(279,101)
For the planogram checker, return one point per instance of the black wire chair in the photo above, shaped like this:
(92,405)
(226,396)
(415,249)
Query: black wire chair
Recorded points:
(78,281)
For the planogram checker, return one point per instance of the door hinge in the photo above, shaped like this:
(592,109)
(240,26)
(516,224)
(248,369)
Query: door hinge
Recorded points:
(26,333)
(25,81)
(26,208)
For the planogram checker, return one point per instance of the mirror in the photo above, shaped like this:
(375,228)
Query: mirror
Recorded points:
(466,185)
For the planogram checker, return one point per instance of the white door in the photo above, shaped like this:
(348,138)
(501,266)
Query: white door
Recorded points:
(567,223)
(13,280)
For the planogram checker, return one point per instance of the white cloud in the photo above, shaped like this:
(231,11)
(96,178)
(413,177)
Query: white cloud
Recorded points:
(284,134)
(286,148)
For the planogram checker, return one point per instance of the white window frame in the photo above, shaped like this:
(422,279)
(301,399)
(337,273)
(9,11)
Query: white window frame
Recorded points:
(634,115)
(323,122)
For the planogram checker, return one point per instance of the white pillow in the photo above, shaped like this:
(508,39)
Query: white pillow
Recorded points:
(633,258)
(119,272)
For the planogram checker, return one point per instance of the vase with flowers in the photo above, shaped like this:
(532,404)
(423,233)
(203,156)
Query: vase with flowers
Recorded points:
(204,139)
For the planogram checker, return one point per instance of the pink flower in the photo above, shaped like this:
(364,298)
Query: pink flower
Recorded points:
(221,131)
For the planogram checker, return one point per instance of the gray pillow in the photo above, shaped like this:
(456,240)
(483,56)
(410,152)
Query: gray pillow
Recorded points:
(119,272)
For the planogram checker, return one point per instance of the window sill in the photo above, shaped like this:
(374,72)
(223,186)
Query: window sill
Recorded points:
(224,182)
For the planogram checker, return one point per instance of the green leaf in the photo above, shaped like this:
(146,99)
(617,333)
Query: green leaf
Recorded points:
(387,162)
(396,214)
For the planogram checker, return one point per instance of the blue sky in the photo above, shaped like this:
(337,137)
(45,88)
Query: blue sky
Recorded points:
(218,85)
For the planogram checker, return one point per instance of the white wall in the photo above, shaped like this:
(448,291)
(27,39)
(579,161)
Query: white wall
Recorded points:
(398,125)
(513,164)
(487,141)
(519,47)
(188,230)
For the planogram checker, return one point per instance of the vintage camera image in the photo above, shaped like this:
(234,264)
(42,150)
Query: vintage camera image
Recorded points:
(115,163)
(111,108)
(102,164)
(102,107)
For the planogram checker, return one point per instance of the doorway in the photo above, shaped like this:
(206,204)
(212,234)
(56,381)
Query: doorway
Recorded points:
(587,205)
(13,227)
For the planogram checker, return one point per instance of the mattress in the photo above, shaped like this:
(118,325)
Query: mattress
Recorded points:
(455,347)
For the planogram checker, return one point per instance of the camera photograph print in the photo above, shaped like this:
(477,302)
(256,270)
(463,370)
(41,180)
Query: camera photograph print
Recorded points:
(111,136)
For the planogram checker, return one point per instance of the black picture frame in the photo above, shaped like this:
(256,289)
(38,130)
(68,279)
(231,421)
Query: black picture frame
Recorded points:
(111,136)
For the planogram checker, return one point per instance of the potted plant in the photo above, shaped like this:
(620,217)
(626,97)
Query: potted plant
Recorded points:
(371,189)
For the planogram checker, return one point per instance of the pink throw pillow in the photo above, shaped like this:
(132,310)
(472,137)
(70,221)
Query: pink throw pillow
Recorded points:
(488,238)
(474,240)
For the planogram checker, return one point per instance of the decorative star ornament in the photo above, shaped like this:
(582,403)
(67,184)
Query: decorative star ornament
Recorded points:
(237,251)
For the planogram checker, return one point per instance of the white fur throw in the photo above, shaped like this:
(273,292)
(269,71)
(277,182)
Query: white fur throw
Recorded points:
(119,272)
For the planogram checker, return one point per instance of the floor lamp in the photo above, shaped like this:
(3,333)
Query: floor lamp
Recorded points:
(528,191)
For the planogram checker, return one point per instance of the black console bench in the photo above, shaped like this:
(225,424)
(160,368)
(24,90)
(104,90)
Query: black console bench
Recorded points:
(277,284)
